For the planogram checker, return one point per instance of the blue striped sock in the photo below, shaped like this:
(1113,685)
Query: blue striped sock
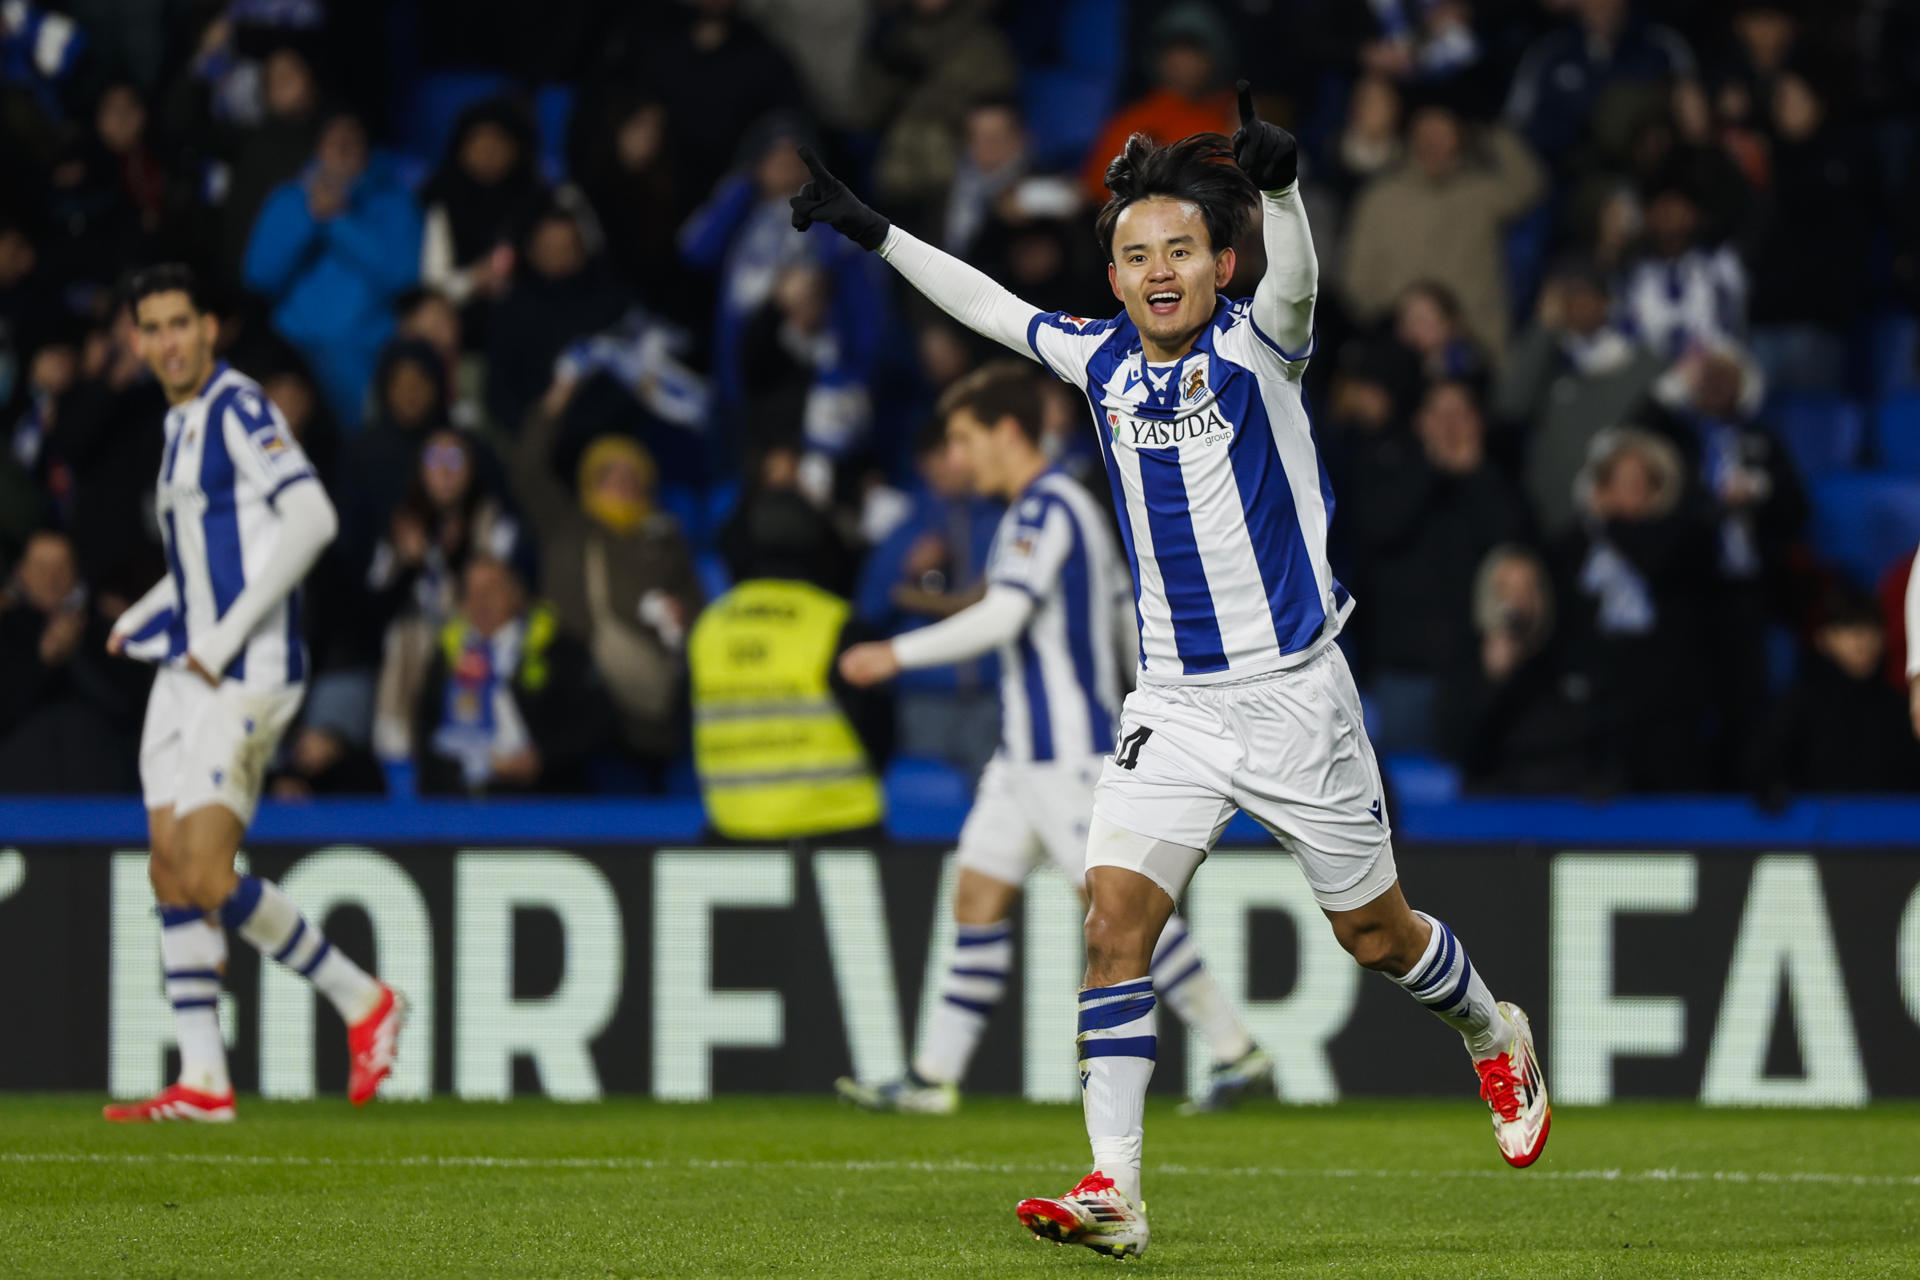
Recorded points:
(1445,981)
(975,980)
(1117,1050)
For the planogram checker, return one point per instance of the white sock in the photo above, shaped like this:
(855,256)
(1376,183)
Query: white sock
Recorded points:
(1117,1047)
(267,918)
(1445,981)
(193,955)
(976,978)
(1183,980)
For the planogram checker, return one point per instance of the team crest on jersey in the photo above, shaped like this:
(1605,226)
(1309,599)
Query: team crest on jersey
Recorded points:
(1195,385)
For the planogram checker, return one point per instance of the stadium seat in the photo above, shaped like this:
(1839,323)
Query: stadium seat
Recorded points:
(1823,433)
(917,782)
(553,111)
(1421,779)
(436,103)
(1864,521)
(1894,350)
(1896,432)
(722,497)
(1065,110)
(1093,36)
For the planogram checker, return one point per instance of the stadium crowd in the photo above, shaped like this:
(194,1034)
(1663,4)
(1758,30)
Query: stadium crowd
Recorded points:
(1615,374)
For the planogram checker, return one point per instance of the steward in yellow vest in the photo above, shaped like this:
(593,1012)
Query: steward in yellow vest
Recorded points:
(777,757)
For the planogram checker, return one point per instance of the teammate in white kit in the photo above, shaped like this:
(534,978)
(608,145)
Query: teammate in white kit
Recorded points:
(1054,592)
(242,517)
(1244,700)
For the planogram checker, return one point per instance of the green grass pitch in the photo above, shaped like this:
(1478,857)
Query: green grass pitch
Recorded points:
(801,1187)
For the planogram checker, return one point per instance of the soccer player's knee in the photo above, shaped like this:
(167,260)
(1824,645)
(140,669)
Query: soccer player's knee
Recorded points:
(205,887)
(1116,940)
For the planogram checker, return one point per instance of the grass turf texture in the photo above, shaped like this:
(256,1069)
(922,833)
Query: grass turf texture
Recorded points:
(801,1187)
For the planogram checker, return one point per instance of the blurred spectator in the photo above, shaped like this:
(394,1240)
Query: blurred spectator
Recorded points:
(927,60)
(1439,215)
(1189,95)
(1680,290)
(428,315)
(1431,42)
(783,747)
(619,573)
(1839,727)
(745,233)
(68,714)
(798,381)
(1636,577)
(558,293)
(716,73)
(1369,142)
(409,402)
(445,519)
(108,194)
(1707,405)
(99,461)
(1509,713)
(1809,276)
(994,161)
(474,204)
(1427,509)
(1565,75)
(30,306)
(774,477)
(930,567)
(1428,323)
(625,166)
(1570,375)
(331,251)
(269,150)
(1911,616)
(40,54)
(321,760)
(510,702)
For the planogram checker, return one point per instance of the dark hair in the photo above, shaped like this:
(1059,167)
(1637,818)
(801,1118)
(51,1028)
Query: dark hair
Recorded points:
(1198,168)
(165,277)
(1001,389)
(1846,605)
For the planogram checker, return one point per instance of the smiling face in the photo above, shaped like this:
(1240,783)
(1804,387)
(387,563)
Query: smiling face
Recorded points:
(1165,272)
(176,341)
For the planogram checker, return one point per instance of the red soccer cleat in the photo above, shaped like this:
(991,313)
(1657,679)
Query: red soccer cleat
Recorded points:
(1515,1091)
(1095,1213)
(372,1042)
(175,1102)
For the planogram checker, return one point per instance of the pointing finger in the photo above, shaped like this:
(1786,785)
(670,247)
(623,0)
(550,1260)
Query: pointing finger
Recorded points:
(813,164)
(1247,114)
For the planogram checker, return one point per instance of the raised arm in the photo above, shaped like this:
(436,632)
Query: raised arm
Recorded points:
(1283,302)
(980,628)
(968,295)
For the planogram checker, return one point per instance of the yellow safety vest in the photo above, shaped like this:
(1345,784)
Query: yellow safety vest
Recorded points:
(776,756)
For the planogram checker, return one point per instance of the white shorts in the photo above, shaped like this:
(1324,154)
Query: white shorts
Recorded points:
(1023,813)
(1290,749)
(203,746)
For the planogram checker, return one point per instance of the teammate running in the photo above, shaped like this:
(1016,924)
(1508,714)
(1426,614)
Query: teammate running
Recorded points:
(1244,700)
(1051,609)
(243,518)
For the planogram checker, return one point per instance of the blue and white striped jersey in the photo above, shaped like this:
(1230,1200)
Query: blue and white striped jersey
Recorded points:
(229,454)
(1225,503)
(1060,685)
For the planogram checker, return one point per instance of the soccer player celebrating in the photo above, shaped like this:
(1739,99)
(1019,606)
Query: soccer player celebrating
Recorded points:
(1051,609)
(1244,701)
(243,518)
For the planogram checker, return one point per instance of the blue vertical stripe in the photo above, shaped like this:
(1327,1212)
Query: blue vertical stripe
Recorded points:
(221,521)
(1078,592)
(1039,714)
(1104,434)
(1183,574)
(1273,522)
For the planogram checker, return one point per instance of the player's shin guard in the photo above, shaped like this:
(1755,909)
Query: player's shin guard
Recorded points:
(1445,981)
(1182,979)
(1117,1048)
(267,918)
(976,978)
(193,955)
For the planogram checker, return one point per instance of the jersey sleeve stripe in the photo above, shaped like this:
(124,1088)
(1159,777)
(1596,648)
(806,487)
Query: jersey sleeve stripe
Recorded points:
(289,482)
(1017,586)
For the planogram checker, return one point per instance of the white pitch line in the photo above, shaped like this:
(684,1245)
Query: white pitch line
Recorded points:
(645,1164)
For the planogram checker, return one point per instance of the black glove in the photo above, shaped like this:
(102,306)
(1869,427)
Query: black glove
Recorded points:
(1265,152)
(826,199)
